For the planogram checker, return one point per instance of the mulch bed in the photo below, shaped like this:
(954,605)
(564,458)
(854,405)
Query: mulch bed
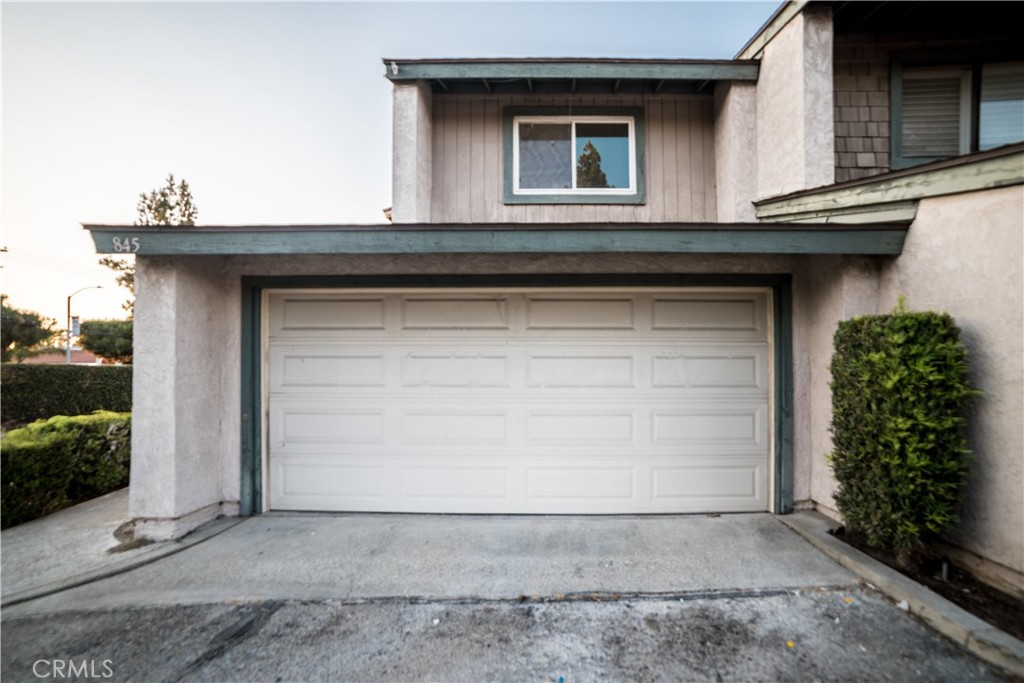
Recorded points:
(1000,609)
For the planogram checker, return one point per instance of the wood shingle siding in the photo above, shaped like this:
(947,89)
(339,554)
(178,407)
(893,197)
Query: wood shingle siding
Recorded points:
(468,162)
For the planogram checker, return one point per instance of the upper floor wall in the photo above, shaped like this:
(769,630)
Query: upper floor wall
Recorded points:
(563,141)
(675,161)
(918,83)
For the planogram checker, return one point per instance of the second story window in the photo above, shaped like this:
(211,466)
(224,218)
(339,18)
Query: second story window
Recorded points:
(559,154)
(945,111)
(573,158)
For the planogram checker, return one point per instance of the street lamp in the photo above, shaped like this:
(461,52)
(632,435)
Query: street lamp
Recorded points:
(67,355)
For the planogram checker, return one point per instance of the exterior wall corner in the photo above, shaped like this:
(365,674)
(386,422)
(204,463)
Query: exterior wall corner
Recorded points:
(412,153)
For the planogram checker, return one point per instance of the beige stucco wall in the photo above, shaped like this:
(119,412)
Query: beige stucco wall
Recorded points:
(837,288)
(963,256)
(411,156)
(185,350)
(735,147)
(795,145)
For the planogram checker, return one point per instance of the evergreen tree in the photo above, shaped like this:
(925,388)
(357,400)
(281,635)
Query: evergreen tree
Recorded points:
(171,204)
(588,168)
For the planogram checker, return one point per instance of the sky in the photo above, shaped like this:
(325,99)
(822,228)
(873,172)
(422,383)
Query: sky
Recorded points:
(275,113)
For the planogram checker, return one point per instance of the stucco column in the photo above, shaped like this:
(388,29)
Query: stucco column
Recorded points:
(735,151)
(178,431)
(412,153)
(795,132)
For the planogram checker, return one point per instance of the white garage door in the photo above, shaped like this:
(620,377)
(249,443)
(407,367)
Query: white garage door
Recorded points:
(525,401)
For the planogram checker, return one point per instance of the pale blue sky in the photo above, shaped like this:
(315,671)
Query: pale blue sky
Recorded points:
(273,112)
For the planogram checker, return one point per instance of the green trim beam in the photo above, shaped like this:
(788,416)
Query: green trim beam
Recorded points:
(668,70)
(706,238)
(884,192)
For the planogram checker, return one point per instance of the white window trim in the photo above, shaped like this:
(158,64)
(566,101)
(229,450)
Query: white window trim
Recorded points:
(572,120)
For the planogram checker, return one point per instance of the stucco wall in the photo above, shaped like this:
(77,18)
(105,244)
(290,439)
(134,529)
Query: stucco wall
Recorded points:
(184,351)
(735,146)
(795,143)
(963,256)
(411,156)
(838,288)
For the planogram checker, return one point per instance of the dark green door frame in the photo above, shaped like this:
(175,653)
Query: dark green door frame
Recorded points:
(252,407)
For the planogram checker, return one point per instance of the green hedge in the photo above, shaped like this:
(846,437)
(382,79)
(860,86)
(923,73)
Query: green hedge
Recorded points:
(899,400)
(51,464)
(36,392)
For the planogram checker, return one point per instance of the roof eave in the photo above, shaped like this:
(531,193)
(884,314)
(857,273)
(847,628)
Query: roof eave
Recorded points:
(884,239)
(397,70)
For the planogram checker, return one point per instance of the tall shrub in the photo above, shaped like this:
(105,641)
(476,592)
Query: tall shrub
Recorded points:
(899,399)
(53,463)
(36,392)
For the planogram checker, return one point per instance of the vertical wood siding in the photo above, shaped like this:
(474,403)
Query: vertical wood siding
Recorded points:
(469,162)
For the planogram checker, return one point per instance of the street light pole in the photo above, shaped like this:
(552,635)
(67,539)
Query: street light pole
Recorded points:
(67,354)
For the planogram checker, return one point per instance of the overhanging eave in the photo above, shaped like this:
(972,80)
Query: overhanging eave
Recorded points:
(885,239)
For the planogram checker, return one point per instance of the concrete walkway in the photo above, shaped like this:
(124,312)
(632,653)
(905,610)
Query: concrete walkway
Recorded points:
(76,546)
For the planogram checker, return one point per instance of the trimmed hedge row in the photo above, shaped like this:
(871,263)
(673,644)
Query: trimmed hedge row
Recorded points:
(899,399)
(35,392)
(51,464)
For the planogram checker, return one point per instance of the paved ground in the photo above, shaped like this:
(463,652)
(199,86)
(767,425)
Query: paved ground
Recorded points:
(455,598)
(852,635)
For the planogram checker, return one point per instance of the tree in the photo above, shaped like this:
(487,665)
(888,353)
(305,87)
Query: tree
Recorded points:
(111,339)
(24,333)
(588,168)
(168,205)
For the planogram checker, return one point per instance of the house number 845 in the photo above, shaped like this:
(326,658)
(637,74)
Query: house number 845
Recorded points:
(127,245)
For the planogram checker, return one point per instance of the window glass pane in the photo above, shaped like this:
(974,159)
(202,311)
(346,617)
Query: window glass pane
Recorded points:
(602,155)
(545,156)
(932,125)
(1001,118)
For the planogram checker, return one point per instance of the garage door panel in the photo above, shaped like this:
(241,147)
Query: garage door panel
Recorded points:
(740,482)
(331,370)
(576,427)
(579,313)
(466,482)
(326,479)
(703,367)
(455,313)
(727,426)
(579,370)
(454,427)
(325,425)
(710,314)
(531,402)
(302,314)
(544,484)
(459,369)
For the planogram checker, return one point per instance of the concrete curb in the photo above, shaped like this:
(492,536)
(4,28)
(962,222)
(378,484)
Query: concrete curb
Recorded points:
(139,558)
(979,637)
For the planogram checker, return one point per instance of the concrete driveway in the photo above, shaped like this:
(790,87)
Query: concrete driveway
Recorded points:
(452,598)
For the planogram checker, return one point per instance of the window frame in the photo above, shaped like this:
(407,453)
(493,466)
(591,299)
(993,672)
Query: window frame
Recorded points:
(969,111)
(634,116)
